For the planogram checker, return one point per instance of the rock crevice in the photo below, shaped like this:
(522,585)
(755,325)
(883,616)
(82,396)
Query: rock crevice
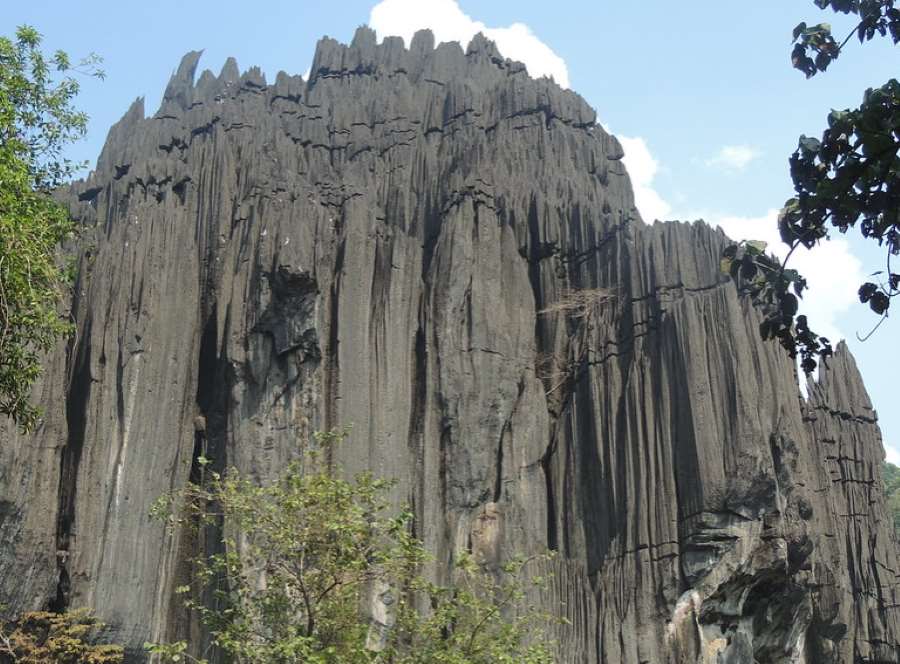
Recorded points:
(433,247)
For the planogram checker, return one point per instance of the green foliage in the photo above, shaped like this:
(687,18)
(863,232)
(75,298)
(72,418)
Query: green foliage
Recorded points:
(55,638)
(37,121)
(848,178)
(305,554)
(777,290)
(891,477)
(480,620)
(815,47)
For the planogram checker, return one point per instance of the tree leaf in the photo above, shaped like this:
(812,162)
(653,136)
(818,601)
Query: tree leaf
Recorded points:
(757,246)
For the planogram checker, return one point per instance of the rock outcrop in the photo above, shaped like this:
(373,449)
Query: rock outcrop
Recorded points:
(443,252)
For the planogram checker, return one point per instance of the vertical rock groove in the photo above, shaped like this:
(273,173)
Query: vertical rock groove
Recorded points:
(396,244)
(77,399)
(208,454)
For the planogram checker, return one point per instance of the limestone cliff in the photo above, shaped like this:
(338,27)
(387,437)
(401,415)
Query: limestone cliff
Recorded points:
(434,247)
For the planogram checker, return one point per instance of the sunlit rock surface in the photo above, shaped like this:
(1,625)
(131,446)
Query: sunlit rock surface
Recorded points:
(443,252)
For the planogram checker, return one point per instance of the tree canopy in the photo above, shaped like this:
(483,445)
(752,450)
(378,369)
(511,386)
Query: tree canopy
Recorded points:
(37,121)
(847,178)
(301,558)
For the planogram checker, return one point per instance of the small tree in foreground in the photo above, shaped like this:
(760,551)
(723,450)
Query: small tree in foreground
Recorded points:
(37,121)
(322,570)
(55,638)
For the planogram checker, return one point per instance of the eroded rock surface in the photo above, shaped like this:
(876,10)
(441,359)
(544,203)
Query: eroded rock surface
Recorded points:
(434,247)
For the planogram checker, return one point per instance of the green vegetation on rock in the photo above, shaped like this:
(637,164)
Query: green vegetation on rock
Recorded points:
(42,637)
(323,570)
(891,476)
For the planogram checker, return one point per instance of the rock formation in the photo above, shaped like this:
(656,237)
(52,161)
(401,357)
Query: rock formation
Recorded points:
(434,247)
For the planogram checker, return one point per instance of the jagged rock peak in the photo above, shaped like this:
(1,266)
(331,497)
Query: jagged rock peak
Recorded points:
(434,86)
(446,61)
(840,389)
(230,73)
(363,56)
(443,251)
(181,85)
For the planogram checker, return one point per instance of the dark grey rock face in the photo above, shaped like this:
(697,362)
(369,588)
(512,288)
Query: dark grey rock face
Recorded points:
(443,252)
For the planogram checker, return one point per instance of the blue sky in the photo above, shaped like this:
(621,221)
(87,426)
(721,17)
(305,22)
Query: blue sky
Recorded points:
(701,92)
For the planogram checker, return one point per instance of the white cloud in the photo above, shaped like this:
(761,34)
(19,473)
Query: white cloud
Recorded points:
(892,454)
(449,23)
(733,157)
(642,168)
(831,270)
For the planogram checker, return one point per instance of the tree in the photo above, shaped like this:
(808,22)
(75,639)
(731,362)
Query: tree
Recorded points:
(306,553)
(37,121)
(848,178)
(55,638)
